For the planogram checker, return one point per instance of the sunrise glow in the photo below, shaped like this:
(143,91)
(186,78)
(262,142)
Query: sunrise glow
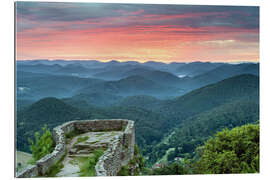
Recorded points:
(124,32)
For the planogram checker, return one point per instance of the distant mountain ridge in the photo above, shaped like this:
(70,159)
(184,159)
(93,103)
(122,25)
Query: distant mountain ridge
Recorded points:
(196,68)
(111,78)
(161,98)
(36,85)
(176,68)
(229,89)
(132,85)
(218,74)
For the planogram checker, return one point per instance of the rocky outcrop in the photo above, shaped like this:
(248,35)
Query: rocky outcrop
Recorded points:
(117,155)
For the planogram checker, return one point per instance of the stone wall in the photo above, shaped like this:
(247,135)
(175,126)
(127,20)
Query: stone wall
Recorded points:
(29,171)
(109,164)
(119,153)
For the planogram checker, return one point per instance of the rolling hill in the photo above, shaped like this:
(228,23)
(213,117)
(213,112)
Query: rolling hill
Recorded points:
(213,95)
(196,68)
(154,118)
(197,129)
(183,111)
(199,114)
(50,111)
(34,86)
(228,115)
(161,77)
(177,110)
(74,68)
(38,68)
(218,74)
(130,86)
(117,72)
(141,101)
(97,98)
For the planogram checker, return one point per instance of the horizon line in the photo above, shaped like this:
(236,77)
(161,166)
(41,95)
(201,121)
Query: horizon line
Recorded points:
(142,62)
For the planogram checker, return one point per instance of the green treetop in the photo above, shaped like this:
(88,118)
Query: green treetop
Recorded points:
(43,144)
(231,151)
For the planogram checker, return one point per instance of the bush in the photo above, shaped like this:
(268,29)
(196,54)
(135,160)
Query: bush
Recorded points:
(43,144)
(231,151)
(171,169)
(124,171)
(87,164)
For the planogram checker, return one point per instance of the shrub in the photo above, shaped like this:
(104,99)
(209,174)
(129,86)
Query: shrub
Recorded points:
(231,151)
(42,145)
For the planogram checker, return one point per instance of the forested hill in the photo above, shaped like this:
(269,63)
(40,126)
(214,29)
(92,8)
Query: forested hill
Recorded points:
(208,97)
(226,104)
(203,125)
(49,111)
(219,73)
(153,118)
(195,130)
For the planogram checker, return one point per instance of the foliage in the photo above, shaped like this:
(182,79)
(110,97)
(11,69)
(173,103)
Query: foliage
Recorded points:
(171,155)
(199,128)
(193,117)
(139,158)
(43,144)
(136,164)
(50,111)
(124,171)
(55,168)
(87,164)
(231,151)
(171,169)
(82,139)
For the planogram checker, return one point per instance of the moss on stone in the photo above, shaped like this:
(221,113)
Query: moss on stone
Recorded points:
(82,139)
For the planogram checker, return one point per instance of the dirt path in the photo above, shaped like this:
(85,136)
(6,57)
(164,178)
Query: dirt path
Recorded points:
(69,170)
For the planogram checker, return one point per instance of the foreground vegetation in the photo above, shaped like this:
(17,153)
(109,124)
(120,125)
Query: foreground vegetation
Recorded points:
(135,166)
(42,145)
(229,151)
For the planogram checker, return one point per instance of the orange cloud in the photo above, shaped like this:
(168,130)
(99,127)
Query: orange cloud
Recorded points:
(137,36)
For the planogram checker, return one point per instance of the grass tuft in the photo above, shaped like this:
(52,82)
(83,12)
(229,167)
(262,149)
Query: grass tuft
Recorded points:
(87,164)
(82,139)
(54,169)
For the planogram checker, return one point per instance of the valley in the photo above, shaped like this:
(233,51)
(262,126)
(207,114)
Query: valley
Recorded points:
(173,114)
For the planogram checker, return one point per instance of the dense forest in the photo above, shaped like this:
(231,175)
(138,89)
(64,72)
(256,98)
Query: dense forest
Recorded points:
(227,152)
(176,107)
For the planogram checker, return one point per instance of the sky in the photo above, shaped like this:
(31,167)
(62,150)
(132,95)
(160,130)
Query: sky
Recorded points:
(139,32)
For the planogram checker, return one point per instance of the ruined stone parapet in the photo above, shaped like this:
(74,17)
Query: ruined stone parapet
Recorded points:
(129,142)
(110,162)
(29,171)
(118,154)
